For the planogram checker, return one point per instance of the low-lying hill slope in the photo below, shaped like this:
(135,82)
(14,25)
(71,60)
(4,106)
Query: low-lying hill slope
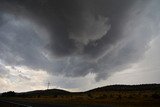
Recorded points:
(48,92)
(115,94)
(142,87)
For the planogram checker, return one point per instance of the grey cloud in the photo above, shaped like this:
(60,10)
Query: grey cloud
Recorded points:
(3,71)
(74,25)
(20,45)
(98,36)
(24,77)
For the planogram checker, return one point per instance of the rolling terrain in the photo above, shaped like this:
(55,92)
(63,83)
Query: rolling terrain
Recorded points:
(145,94)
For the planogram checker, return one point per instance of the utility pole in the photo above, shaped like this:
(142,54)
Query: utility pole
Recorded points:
(48,84)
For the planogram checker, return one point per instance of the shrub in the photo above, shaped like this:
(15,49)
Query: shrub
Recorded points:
(8,94)
(156,96)
(89,95)
(119,97)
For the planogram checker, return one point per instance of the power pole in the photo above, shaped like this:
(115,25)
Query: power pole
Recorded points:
(48,84)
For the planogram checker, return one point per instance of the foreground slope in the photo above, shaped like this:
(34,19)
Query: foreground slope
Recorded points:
(113,94)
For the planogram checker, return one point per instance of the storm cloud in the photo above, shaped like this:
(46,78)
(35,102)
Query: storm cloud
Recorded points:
(76,37)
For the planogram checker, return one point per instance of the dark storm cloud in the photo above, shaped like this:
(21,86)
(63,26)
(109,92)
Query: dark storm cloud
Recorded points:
(20,45)
(99,36)
(75,26)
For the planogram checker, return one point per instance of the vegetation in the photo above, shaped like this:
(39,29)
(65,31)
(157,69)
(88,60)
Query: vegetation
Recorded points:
(114,94)
(8,94)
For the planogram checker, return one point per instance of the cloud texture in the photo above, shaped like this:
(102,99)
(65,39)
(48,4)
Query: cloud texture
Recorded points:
(76,37)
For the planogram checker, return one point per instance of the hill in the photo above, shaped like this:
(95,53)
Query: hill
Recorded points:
(113,94)
(49,92)
(141,87)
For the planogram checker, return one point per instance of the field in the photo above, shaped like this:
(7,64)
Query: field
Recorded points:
(109,95)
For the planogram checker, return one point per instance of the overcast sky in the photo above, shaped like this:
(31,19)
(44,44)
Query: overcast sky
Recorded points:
(78,45)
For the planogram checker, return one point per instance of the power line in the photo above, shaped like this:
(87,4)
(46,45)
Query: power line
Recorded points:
(48,84)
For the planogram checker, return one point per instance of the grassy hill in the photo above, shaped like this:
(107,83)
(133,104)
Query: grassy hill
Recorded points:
(49,92)
(142,87)
(113,94)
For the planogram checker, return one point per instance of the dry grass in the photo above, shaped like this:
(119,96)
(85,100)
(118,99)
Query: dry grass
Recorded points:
(111,97)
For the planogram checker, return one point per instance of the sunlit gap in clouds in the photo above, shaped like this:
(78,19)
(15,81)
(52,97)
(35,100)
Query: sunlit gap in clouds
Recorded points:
(24,79)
